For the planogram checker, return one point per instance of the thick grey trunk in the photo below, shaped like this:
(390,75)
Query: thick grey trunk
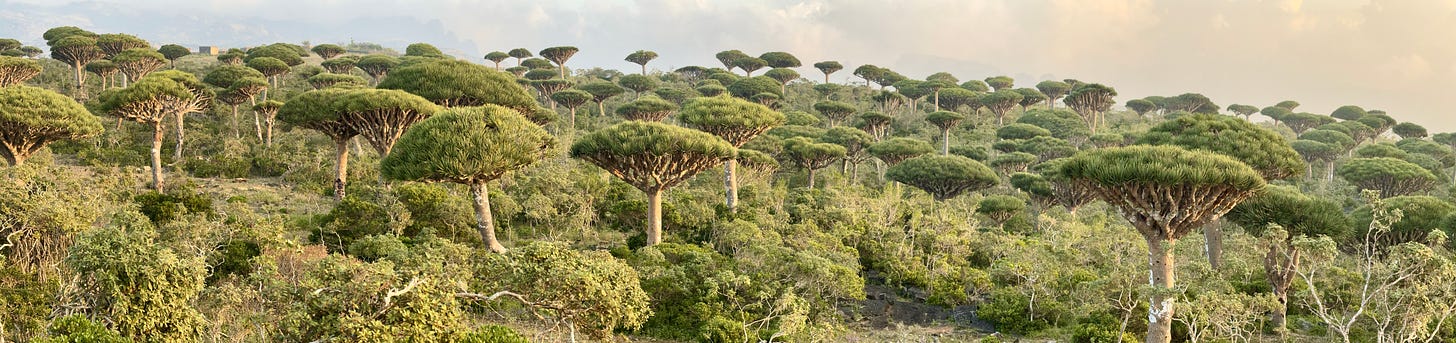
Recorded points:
(1160,276)
(654,217)
(341,174)
(945,141)
(157,156)
(1213,245)
(234,123)
(181,132)
(730,183)
(484,220)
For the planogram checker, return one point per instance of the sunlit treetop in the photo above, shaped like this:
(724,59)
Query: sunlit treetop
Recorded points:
(281,52)
(780,59)
(467,145)
(15,70)
(1264,150)
(734,120)
(115,43)
(944,177)
(454,83)
(328,51)
(423,50)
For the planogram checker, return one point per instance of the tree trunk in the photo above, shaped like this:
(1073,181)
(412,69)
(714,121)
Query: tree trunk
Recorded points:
(730,183)
(945,141)
(1278,319)
(1160,276)
(654,217)
(80,81)
(341,167)
(235,123)
(811,178)
(644,69)
(601,108)
(1122,328)
(1279,269)
(268,132)
(1213,245)
(157,156)
(181,131)
(13,158)
(257,125)
(572,121)
(484,220)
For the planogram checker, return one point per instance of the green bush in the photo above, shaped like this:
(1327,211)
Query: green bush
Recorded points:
(592,290)
(144,290)
(234,258)
(358,216)
(77,329)
(493,334)
(377,247)
(432,208)
(1100,328)
(26,300)
(218,166)
(175,203)
(1008,310)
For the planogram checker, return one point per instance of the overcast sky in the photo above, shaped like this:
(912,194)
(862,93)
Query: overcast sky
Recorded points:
(1394,55)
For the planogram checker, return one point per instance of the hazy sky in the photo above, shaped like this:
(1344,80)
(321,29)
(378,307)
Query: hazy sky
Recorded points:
(1395,55)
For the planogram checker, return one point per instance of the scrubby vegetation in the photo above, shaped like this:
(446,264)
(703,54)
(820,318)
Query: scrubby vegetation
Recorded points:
(537,202)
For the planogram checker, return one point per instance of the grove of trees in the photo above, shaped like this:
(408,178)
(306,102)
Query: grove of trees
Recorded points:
(382,196)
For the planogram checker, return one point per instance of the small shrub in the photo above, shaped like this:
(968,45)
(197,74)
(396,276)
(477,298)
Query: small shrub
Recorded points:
(175,203)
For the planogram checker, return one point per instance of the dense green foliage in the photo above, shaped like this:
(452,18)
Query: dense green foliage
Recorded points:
(480,217)
(944,177)
(453,83)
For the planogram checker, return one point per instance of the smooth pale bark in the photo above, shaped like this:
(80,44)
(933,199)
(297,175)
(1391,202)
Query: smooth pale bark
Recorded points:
(157,156)
(1213,245)
(257,125)
(811,178)
(654,217)
(601,110)
(573,118)
(730,182)
(342,167)
(80,80)
(236,134)
(945,141)
(484,220)
(181,132)
(1160,276)
(268,132)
